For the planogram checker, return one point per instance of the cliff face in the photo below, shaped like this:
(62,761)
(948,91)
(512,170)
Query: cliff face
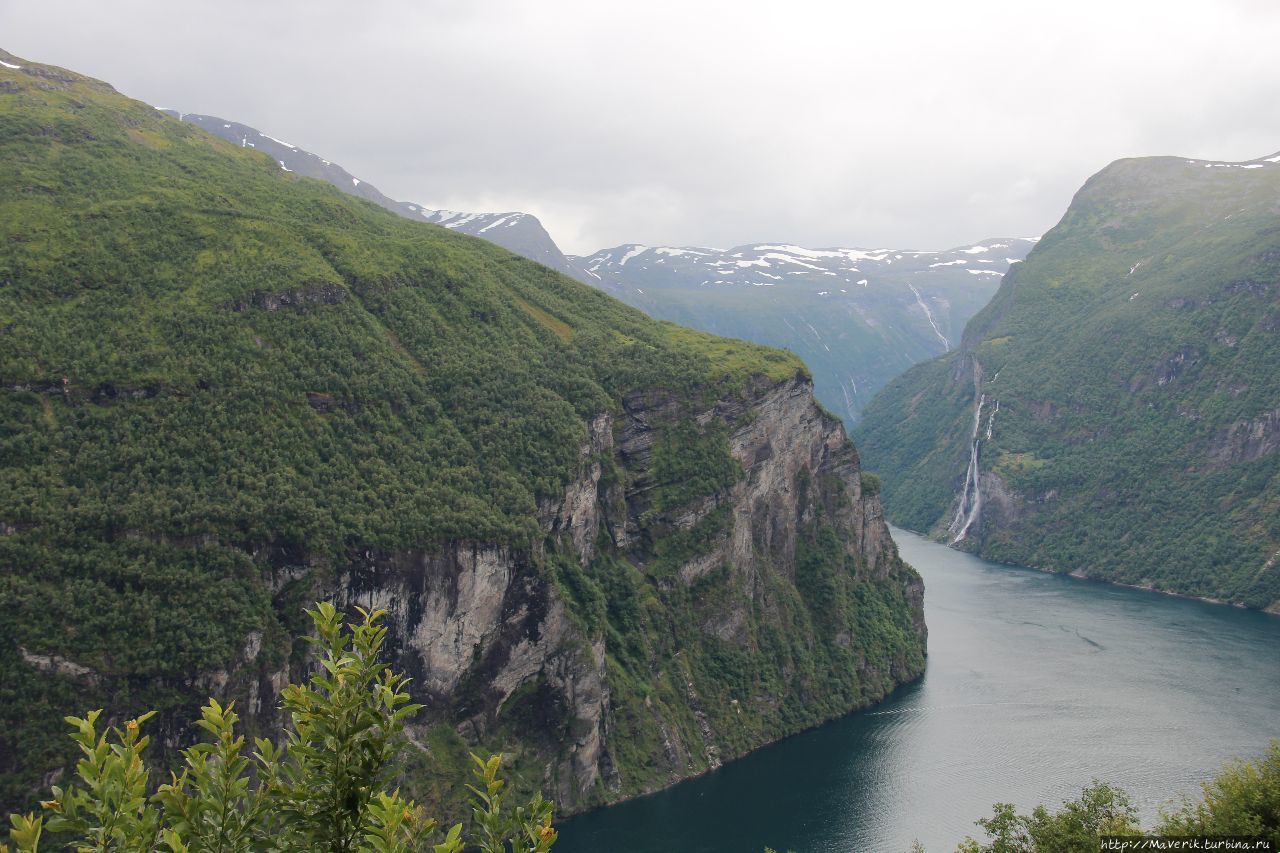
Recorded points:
(475,625)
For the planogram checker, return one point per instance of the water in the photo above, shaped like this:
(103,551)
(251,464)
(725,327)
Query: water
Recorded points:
(1035,685)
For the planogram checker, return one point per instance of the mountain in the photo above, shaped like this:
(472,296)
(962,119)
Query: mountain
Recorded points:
(617,550)
(1114,411)
(521,233)
(857,317)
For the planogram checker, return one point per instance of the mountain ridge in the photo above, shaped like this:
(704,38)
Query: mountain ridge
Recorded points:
(856,316)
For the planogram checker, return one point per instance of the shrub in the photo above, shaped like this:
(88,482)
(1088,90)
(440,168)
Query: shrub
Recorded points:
(323,788)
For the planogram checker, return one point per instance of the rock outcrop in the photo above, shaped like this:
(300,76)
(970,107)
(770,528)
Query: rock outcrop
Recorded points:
(473,625)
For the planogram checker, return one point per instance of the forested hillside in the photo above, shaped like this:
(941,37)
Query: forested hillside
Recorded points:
(618,550)
(1115,411)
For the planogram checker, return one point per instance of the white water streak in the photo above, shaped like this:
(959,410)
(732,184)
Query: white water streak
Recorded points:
(946,344)
(971,496)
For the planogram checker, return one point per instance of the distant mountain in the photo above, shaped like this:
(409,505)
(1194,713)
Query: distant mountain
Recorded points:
(1115,411)
(858,317)
(521,233)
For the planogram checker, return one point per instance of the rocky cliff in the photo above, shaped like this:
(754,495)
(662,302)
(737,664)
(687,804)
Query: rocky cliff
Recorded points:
(477,625)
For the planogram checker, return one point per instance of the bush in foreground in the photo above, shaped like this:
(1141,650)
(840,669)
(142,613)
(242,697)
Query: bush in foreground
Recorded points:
(1243,799)
(324,788)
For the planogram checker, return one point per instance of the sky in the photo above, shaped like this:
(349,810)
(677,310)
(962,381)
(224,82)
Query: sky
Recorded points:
(902,124)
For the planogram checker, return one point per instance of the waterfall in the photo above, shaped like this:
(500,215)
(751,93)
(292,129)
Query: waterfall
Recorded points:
(928,315)
(971,496)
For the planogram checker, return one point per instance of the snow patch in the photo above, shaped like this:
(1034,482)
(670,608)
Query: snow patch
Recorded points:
(355,182)
(948,263)
(984,272)
(10,66)
(494,224)
(636,250)
(801,251)
(278,141)
(786,259)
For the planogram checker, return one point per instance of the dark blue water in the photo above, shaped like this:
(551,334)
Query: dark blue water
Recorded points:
(1035,685)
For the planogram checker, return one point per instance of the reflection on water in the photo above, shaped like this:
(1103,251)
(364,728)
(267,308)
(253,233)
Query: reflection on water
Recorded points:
(1035,685)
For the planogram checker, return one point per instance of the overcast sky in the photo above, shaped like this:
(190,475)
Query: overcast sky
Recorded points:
(904,123)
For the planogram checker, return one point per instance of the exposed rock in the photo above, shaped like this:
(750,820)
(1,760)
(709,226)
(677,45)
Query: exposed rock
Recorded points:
(473,624)
(60,666)
(1246,440)
(307,295)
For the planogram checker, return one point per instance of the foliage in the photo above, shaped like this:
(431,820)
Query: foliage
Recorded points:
(214,372)
(1100,810)
(325,788)
(1132,355)
(1243,799)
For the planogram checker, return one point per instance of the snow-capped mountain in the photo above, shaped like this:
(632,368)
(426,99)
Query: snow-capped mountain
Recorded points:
(858,317)
(521,233)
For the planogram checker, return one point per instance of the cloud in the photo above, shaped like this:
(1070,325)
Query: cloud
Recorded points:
(921,124)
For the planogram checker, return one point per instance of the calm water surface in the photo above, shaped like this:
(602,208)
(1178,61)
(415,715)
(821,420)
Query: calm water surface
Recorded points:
(1035,685)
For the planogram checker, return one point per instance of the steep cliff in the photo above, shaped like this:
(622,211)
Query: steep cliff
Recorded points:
(1112,412)
(619,550)
(544,652)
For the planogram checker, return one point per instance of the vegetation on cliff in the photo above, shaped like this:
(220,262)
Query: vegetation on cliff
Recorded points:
(1132,357)
(225,388)
(324,788)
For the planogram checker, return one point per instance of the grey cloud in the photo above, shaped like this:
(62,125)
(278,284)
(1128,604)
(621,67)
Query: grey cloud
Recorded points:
(922,124)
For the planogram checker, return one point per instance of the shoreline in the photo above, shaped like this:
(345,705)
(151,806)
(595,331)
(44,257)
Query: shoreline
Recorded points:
(1270,610)
(569,816)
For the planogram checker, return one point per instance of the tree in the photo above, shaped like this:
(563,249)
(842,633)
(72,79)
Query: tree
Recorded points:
(1100,810)
(324,788)
(1243,799)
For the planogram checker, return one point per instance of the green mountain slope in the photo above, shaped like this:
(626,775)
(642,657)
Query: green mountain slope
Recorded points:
(620,550)
(1115,410)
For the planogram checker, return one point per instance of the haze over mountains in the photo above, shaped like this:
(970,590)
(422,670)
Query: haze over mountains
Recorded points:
(857,317)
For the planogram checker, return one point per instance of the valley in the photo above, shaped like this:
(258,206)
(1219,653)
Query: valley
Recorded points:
(789,543)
